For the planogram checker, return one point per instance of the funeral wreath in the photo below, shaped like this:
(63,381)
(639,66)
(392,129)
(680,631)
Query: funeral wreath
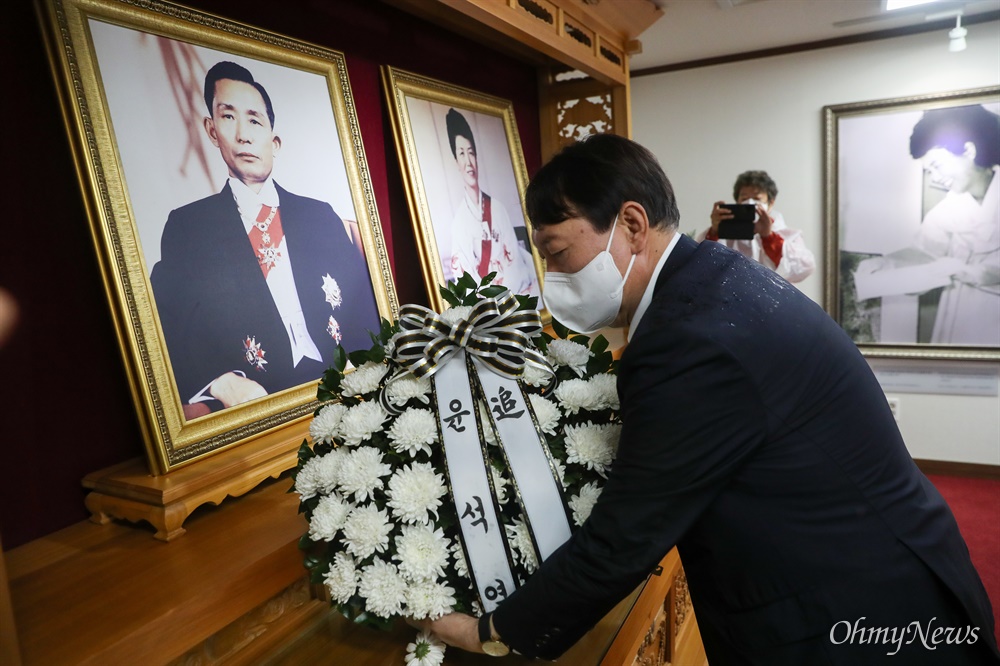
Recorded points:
(460,451)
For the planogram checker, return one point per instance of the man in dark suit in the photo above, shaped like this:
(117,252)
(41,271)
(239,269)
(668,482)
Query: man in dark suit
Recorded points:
(255,286)
(755,438)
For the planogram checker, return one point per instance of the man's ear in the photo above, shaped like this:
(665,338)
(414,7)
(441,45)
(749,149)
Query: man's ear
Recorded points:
(276,140)
(634,219)
(970,150)
(209,126)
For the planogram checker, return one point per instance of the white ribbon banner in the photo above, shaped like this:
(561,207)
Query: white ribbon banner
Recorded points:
(482,532)
(535,477)
(496,336)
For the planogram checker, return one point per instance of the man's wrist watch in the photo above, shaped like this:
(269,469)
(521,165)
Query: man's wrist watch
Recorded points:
(492,645)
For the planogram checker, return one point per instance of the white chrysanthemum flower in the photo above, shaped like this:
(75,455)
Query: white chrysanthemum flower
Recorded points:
(328,469)
(407,388)
(366,531)
(307,479)
(575,394)
(605,391)
(499,485)
(342,578)
(364,380)
(413,431)
(361,473)
(560,470)
(592,446)
(488,434)
(461,566)
(326,425)
(430,599)
(426,650)
(583,503)
(383,588)
(571,354)
(520,542)
(534,376)
(328,517)
(415,492)
(422,552)
(546,412)
(361,422)
(455,314)
(319,474)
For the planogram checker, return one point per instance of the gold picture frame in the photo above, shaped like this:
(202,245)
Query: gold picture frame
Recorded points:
(131,76)
(908,248)
(458,209)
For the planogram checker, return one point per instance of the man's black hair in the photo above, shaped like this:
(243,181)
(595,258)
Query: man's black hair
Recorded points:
(952,128)
(234,72)
(758,180)
(594,177)
(457,125)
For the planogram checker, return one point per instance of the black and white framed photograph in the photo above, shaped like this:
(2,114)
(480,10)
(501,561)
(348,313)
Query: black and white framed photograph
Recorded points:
(913,224)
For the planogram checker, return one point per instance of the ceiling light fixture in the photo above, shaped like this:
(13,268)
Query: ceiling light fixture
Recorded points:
(891,5)
(957,36)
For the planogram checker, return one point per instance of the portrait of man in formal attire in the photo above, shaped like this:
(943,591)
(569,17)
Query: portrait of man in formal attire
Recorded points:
(244,212)
(255,286)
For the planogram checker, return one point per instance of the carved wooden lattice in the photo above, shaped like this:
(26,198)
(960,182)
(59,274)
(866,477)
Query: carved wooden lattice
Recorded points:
(682,601)
(579,118)
(660,646)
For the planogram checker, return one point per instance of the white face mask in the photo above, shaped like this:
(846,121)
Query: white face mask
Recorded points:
(588,300)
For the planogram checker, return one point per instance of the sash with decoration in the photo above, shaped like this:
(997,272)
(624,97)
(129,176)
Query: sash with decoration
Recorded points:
(480,359)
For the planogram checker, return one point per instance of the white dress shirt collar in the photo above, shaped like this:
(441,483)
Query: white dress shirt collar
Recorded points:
(647,295)
(249,202)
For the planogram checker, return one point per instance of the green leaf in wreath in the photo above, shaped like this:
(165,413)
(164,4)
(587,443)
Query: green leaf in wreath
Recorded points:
(526,302)
(358,358)
(305,452)
(487,279)
(599,344)
(451,298)
(561,331)
(467,282)
(339,358)
(492,291)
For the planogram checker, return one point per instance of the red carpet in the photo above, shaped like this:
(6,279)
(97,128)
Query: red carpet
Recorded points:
(976,505)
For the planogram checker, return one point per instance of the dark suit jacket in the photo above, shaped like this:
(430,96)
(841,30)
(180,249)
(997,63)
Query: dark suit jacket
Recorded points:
(758,441)
(211,293)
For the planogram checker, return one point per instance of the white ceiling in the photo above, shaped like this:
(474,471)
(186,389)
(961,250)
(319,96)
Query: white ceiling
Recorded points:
(696,29)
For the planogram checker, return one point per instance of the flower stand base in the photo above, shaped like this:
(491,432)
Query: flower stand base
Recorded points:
(129,492)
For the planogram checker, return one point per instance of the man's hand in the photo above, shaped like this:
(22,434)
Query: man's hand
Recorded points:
(718,215)
(456,629)
(231,389)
